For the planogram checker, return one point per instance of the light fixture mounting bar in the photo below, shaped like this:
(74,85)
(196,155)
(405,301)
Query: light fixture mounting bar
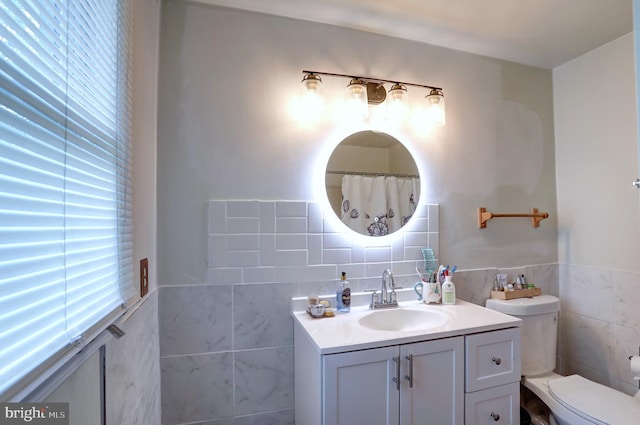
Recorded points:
(369,79)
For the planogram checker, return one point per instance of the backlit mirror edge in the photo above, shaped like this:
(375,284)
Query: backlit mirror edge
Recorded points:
(332,140)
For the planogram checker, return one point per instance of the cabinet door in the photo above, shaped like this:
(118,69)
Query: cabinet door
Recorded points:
(359,387)
(432,390)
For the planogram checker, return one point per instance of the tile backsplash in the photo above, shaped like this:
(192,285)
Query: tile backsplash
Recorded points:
(295,241)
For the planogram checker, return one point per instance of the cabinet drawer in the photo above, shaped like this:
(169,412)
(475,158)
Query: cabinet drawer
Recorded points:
(498,405)
(492,359)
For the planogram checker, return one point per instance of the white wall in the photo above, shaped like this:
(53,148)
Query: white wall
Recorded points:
(598,213)
(146,33)
(597,158)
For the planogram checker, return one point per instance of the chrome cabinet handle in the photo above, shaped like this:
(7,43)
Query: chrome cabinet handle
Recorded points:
(495,416)
(409,377)
(396,378)
(496,360)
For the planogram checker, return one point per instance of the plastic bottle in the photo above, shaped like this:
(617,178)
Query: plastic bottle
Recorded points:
(448,291)
(343,295)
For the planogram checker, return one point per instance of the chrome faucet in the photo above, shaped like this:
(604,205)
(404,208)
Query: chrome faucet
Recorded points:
(387,293)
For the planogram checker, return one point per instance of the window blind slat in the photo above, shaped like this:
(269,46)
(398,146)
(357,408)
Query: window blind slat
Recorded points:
(21,255)
(44,191)
(16,321)
(65,207)
(49,332)
(89,65)
(16,285)
(30,164)
(35,348)
(36,34)
(22,105)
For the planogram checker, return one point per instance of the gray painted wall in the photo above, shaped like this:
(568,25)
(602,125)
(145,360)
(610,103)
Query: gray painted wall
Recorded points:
(227,81)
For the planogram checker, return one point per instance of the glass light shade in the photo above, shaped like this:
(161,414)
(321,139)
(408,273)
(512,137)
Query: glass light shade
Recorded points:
(311,100)
(357,106)
(397,104)
(435,108)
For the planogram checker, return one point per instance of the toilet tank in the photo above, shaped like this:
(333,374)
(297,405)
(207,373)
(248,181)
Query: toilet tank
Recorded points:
(539,330)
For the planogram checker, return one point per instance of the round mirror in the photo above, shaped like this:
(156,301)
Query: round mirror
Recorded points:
(372,183)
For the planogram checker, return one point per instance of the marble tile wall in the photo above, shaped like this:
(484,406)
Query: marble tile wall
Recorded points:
(226,345)
(599,324)
(132,365)
(475,286)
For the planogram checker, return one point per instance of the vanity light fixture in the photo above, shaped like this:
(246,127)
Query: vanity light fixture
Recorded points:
(356,100)
(312,102)
(435,107)
(397,104)
(364,91)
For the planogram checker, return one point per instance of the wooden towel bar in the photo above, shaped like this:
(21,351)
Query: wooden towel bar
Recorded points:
(484,216)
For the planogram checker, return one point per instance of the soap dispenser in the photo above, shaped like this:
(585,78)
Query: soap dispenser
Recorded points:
(343,295)
(448,291)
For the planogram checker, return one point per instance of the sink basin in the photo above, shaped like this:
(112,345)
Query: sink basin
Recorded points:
(403,319)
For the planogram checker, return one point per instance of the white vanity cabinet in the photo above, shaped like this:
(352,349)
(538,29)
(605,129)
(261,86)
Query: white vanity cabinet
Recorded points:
(492,378)
(405,384)
(466,371)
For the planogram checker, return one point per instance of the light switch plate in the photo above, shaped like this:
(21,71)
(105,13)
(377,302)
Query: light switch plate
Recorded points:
(144,277)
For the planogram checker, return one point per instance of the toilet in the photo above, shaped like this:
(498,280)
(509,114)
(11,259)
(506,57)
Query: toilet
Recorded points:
(572,400)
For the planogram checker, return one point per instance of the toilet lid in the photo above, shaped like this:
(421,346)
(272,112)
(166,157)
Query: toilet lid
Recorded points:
(595,402)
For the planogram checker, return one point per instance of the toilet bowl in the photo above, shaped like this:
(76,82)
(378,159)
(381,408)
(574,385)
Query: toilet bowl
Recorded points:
(572,400)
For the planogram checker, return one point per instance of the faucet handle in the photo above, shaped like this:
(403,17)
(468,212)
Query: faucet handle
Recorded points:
(394,297)
(374,297)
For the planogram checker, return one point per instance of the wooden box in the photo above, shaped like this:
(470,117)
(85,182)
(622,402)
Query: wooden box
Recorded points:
(518,293)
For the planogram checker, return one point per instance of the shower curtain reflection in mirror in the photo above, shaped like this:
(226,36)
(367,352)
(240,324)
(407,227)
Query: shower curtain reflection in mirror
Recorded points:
(378,205)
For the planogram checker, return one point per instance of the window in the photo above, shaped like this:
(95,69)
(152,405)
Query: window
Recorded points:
(65,198)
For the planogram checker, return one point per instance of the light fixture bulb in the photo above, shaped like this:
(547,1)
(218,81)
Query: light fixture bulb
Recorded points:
(397,104)
(312,82)
(435,108)
(311,100)
(356,100)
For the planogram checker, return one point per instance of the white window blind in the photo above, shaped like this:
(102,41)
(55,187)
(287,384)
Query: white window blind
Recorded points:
(65,207)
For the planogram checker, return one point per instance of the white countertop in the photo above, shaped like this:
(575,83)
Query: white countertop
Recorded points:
(343,332)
